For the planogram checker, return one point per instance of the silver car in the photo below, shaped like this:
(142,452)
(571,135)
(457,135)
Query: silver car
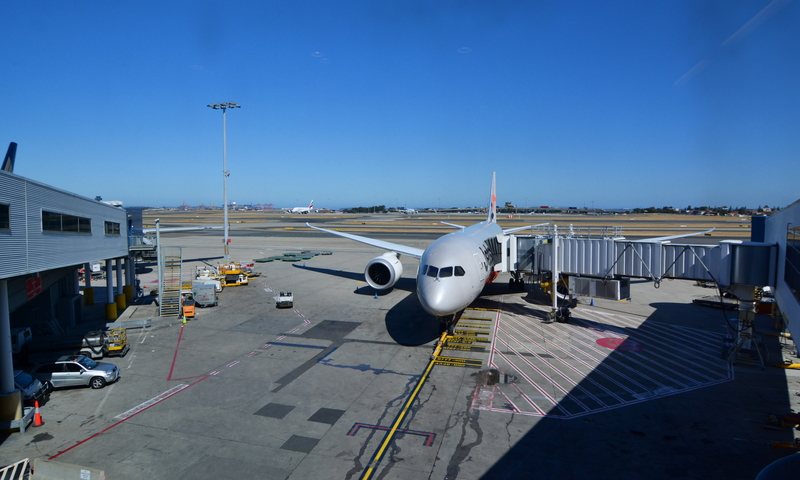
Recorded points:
(76,370)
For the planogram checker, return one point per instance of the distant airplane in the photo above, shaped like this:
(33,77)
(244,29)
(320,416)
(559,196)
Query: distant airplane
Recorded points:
(408,210)
(8,162)
(302,209)
(453,270)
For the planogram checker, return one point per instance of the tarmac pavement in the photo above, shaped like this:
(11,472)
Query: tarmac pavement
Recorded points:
(251,391)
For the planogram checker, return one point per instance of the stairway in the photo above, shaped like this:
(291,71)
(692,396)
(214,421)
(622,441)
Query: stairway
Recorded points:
(170,288)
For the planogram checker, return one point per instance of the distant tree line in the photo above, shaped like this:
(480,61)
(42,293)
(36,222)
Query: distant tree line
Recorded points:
(374,209)
(704,210)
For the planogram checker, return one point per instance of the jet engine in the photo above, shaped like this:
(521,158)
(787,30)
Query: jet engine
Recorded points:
(383,272)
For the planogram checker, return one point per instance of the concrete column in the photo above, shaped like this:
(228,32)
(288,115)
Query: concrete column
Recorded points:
(118,265)
(10,397)
(6,361)
(130,270)
(111,305)
(119,298)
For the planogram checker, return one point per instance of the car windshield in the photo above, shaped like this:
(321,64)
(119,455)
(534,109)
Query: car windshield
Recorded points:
(87,362)
(23,380)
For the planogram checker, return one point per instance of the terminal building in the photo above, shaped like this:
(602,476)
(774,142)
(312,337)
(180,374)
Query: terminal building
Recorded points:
(47,236)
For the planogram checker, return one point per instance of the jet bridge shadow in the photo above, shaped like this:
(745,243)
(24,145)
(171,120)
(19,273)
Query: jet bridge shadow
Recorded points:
(638,412)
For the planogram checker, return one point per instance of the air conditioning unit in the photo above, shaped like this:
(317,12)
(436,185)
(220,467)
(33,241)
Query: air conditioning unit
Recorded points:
(612,289)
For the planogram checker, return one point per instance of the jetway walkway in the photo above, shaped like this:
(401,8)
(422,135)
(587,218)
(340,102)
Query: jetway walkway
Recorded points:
(613,257)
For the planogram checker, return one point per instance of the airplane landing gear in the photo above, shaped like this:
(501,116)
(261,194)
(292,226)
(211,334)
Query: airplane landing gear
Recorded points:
(448,322)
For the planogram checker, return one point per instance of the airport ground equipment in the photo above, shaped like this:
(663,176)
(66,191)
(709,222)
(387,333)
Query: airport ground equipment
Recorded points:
(284,300)
(187,306)
(205,294)
(233,274)
(95,344)
(170,284)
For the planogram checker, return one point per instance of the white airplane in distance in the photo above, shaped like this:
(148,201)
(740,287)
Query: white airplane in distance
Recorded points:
(301,209)
(453,270)
(408,210)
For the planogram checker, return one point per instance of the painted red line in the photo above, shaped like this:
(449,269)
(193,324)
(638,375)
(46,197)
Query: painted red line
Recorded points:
(281,337)
(215,372)
(123,420)
(175,355)
(232,364)
(251,354)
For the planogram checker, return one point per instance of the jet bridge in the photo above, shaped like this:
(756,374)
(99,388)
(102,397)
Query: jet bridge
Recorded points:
(601,265)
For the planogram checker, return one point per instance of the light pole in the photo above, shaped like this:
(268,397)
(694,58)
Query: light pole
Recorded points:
(225,173)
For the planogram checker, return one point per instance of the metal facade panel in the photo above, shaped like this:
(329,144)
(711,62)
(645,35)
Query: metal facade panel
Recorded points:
(27,249)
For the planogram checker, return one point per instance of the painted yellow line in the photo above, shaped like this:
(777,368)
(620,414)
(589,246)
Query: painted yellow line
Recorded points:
(390,435)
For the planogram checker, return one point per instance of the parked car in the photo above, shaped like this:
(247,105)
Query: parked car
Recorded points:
(76,370)
(32,389)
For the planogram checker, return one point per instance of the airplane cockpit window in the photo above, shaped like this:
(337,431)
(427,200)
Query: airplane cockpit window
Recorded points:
(459,271)
(446,272)
(432,271)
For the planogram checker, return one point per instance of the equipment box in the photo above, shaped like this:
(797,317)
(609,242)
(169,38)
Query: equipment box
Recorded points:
(205,295)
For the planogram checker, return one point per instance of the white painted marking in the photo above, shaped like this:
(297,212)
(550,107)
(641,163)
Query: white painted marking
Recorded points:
(133,411)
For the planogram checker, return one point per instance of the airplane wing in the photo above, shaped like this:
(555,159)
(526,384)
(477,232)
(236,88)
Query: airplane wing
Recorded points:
(671,237)
(512,230)
(462,227)
(410,251)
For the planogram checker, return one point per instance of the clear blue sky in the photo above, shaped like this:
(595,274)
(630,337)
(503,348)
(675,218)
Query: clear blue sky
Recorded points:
(623,104)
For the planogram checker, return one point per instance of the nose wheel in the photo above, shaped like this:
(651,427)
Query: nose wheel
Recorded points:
(448,322)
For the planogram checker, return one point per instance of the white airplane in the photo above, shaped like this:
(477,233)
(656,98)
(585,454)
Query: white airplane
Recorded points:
(408,210)
(301,209)
(453,270)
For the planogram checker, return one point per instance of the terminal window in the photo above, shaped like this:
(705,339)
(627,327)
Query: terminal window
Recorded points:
(5,221)
(59,222)
(112,228)
(792,270)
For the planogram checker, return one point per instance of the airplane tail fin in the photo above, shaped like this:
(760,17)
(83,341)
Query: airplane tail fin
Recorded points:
(11,154)
(311,205)
(493,202)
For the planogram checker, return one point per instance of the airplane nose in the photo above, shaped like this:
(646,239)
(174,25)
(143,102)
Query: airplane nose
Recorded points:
(439,300)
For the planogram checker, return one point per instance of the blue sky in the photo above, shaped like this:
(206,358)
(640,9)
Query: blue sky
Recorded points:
(354,103)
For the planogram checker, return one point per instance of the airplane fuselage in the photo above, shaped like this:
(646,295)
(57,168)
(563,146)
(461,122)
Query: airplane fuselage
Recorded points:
(454,269)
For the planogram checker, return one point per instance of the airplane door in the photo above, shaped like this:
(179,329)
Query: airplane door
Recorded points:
(481,267)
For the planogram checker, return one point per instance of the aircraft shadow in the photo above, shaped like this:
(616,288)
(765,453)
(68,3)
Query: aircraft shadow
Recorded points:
(409,325)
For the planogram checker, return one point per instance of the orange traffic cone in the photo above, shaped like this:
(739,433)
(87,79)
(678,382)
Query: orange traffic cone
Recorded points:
(37,417)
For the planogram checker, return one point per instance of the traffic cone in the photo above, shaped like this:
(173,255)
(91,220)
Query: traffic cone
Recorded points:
(184,319)
(376,295)
(591,304)
(37,417)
